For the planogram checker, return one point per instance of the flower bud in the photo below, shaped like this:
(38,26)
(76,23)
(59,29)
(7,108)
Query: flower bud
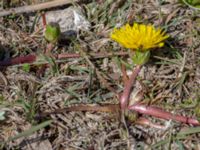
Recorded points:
(52,32)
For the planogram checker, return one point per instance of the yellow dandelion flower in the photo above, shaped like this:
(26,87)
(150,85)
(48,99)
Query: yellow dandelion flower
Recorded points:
(139,37)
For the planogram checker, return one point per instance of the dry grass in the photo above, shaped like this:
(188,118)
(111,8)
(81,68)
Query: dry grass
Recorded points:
(171,80)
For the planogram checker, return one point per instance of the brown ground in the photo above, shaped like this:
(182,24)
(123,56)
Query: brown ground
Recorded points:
(171,80)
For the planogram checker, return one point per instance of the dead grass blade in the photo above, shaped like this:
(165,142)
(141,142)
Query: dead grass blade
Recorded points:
(98,73)
(36,7)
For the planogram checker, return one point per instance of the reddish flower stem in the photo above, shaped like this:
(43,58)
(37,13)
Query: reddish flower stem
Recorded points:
(44,21)
(32,57)
(144,121)
(159,113)
(19,60)
(128,86)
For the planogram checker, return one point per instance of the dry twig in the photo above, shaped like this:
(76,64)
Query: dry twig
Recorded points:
(36,7)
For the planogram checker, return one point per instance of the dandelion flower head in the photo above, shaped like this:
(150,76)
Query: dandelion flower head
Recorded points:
(139,36)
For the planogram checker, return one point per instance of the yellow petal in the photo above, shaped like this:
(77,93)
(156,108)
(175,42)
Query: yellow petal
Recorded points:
(139,36)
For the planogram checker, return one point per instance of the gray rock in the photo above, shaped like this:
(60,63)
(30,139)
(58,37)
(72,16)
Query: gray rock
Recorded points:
(69,19)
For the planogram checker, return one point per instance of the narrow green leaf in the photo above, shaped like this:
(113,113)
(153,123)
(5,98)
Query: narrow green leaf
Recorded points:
(189,131)
(31,130)
(160,143)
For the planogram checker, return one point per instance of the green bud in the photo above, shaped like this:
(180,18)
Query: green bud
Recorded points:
(52,32)
(141,57)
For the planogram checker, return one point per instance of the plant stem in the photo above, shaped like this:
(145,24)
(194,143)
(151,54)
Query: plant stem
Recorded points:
(18,60)
(32,57)
(144,121)
(159,113)
(44,20)
(124,99)
(109,108)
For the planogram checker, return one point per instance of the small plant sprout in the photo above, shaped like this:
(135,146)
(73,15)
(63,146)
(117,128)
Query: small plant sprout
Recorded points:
(52,35)
(139,39)
(52,32)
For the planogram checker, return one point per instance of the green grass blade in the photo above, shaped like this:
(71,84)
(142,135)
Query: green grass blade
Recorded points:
(31,130)
(160,143)
(189,131)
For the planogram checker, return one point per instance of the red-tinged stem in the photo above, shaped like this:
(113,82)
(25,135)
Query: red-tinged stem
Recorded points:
(160,113)
(18,60)
(144,121)
(44,21)
(128,86)
(32,57)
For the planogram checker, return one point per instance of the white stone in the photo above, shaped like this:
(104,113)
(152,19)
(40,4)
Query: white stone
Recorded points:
(69,19)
